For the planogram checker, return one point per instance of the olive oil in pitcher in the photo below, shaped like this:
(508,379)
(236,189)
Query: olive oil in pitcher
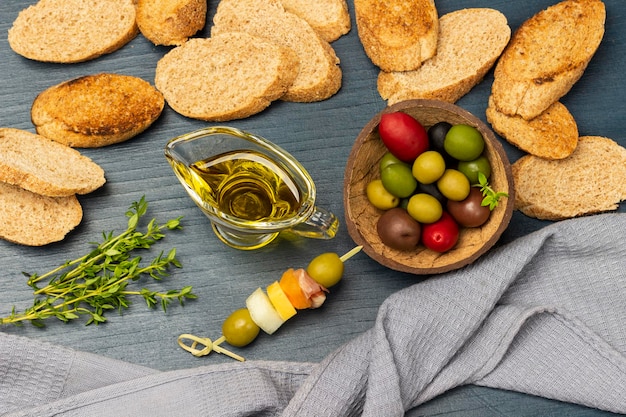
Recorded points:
(251,189)
(247,185)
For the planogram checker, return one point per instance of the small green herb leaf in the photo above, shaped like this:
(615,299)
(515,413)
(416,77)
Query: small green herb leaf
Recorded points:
(491,198)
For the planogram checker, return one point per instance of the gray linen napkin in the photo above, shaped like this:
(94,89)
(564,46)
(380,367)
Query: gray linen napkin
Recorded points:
(543,315)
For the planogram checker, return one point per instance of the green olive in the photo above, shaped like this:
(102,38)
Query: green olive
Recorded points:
(379,197)
(388,159)
(464,142)
(424,208)
(472,168)
(454,185)
(398,180)
(326,269)
(239,329)
(428,167)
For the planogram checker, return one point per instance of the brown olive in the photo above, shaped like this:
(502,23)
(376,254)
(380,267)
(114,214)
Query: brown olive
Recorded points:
(469,212)
(398,230)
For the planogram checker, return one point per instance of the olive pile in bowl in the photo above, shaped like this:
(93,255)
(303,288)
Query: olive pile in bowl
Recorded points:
(427,187)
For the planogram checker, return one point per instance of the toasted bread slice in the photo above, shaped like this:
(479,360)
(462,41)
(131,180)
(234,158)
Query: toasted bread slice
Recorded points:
(67,31)
(551,135)
(46,167)
(227,76)
(546,56)
(329,18)
(397,35)
(35,220)
(591,180)
(170,22)
(319,77)
(96,110)
(469,43)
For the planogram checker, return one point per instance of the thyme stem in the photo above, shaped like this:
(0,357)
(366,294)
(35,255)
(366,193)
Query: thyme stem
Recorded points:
(97,282)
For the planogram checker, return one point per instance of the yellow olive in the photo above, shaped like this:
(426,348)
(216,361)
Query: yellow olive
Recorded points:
(454,185)
(429,167)
(424,208)
(379,197)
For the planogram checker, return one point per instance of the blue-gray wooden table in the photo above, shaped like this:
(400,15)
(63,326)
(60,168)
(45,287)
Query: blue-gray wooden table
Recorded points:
(320,135)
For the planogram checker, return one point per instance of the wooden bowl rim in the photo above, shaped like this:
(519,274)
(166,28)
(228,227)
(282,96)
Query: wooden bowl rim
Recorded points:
(494,144)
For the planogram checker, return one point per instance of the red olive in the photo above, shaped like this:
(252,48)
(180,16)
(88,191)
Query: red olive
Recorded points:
(469,212)
(442,235)
(403,136)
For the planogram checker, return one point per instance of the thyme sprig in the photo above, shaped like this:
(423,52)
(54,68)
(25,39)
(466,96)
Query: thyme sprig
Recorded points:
(97,282)
(491,198)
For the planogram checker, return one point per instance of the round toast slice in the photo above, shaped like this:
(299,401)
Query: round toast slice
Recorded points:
(469,43)
(34,220)
(225,77)
(547,55)
(68,31)
(591,180)
(329,18)
(551,135)
(319,76)
(170,22)
(397,35)
(46,167)
(96,110)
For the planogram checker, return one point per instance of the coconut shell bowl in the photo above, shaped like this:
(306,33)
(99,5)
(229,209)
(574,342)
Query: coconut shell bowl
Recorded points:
(361,216)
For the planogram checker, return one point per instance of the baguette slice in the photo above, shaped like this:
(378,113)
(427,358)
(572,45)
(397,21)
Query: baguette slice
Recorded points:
(546,56)
(170,22)
(319,77)
(469,43)
(225,77)
(551,135)
(591,180)
(329,18)
(397,35)
(46,167)
(34,220)
(96,110)
(68,31)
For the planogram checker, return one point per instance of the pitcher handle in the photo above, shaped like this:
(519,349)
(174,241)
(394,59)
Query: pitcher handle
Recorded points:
(322,224)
